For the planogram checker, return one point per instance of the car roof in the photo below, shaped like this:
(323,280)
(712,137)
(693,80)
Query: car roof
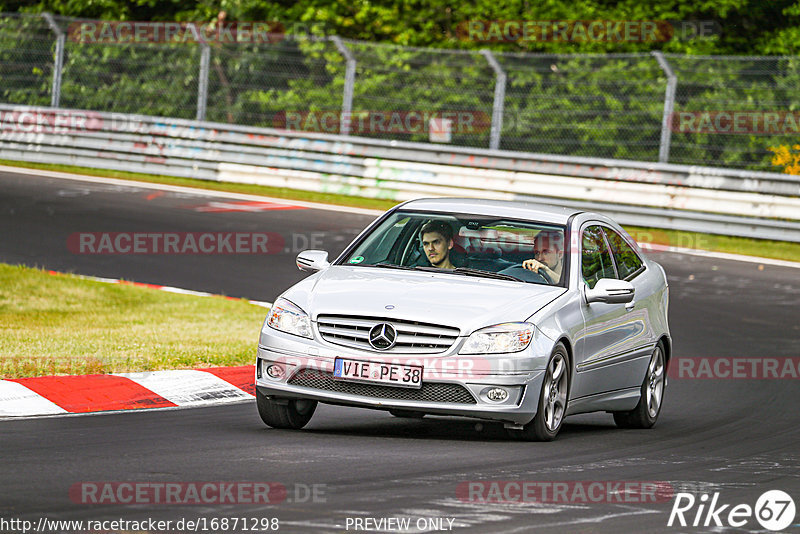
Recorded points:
(515,209)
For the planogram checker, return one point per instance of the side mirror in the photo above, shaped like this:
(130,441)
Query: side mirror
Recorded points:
(312,260)
(610,291)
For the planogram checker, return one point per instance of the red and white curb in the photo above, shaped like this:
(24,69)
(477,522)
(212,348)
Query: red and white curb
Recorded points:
(58,395)
(160,288)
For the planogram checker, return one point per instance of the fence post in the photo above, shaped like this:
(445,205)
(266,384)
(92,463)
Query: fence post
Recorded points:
(349,82)
(202,81)
(61,38)
(499,99)
(669,107)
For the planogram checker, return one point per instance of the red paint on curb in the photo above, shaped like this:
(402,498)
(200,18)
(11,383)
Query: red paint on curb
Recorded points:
(94,393)
(243,377)
(247,206)
(140,284)
(165,288)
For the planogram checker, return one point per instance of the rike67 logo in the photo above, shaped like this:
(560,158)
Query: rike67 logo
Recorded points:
(774,510)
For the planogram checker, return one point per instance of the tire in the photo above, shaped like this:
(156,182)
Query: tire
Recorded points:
(293,414)
(553,400)
(652,395)
(405,414)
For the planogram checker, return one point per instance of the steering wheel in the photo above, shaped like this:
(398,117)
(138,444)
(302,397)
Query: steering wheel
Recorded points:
(543,273)
(518,271)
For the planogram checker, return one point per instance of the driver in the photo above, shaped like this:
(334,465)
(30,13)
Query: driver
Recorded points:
(437,241)
(548,247)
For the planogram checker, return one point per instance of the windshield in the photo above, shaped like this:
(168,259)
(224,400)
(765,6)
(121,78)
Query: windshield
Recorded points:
(526,251)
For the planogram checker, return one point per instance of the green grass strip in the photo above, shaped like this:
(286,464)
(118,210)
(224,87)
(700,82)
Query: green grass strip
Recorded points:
(53,325)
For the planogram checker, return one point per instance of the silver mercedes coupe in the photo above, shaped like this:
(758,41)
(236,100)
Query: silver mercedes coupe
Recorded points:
(504,311)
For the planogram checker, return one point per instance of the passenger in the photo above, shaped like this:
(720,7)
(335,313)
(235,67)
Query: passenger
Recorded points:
(548,251)
(437,241)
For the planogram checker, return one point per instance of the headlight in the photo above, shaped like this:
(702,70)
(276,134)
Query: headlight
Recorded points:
(287,317)
(506,337)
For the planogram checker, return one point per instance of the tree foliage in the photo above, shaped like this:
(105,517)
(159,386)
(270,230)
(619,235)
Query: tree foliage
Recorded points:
(751,27)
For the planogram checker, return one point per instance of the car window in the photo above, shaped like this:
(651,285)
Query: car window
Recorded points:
(494,245)
(385,244)
(382,246)
(629,264)
(595,257)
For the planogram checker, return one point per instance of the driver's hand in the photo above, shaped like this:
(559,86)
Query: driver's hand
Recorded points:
(533,265)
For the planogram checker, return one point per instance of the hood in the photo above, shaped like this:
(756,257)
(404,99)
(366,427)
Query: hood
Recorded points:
(464,302)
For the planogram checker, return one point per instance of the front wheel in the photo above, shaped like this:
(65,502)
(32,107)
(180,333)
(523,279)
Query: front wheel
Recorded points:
(292,414)
(552,400)
(646,412)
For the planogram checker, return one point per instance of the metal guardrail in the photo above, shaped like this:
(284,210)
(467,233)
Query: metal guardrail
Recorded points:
(703,199)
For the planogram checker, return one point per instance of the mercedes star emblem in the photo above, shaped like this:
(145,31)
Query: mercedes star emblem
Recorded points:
(382,336)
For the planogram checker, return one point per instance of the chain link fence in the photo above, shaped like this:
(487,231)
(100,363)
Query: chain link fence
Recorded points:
(697,110)
(27,51)
(608,106)
(755,89)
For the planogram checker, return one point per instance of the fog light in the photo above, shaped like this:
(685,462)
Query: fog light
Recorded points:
(275,372)
(497,394)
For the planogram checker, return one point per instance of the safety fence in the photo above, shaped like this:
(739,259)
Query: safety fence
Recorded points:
(730,111)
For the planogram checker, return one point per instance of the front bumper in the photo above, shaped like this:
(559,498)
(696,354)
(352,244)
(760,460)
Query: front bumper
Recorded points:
(453,384)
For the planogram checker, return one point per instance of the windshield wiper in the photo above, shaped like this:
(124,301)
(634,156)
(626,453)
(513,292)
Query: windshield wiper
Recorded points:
(429,268)
(460,270)
(485,274)
(414,268)
(392,266)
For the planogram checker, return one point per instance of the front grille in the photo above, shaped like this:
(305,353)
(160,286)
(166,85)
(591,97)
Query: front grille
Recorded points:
(429,392)
(412,336)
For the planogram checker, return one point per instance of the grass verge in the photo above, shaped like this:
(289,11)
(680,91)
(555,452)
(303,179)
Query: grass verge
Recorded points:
(51,325)
(735,245)
(763,248)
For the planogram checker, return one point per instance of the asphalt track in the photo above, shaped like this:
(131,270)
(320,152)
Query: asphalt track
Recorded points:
(738,437)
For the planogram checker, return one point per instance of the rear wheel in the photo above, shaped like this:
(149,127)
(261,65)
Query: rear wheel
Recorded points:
(293,413)
(646,412)
(552,400)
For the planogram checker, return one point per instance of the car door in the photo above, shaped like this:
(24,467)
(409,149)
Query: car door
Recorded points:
(608,344)
(648,296)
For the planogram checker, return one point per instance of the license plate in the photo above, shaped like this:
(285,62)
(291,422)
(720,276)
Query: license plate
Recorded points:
(390,374)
